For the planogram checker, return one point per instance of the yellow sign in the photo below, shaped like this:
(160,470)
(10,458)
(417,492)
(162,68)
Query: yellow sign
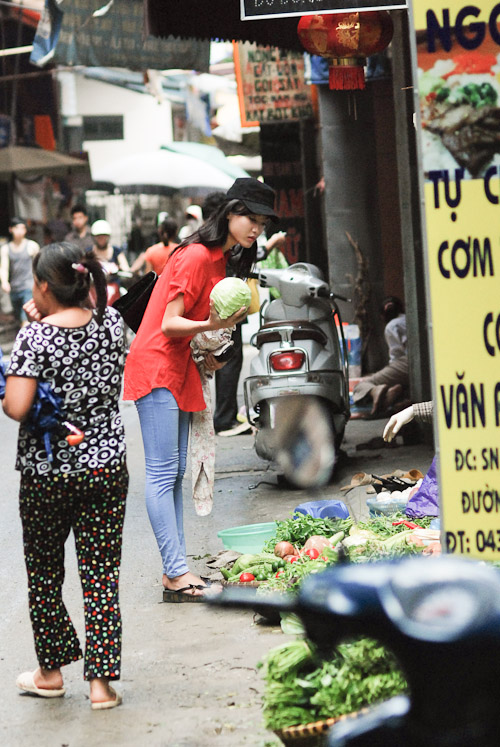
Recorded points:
(452,14)
(459,93)
(464,267)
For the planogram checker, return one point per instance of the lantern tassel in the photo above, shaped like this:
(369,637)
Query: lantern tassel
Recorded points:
(346,78)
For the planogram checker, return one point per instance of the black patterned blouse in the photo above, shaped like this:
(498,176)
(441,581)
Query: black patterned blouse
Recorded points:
(84,366)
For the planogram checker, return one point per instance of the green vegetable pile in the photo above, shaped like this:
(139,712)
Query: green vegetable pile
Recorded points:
(378,538)
(262,565)
(229,295)
(300,527)
(300,688)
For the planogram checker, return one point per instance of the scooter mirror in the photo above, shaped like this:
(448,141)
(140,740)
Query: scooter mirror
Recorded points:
(304,441)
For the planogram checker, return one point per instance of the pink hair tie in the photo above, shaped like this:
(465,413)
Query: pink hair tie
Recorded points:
(79,267)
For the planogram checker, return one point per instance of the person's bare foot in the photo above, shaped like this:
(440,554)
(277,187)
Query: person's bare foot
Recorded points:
(102,692)
(183,581)
(48,679)
(186,580)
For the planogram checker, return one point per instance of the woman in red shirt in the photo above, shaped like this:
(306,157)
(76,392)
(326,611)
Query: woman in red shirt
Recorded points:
(161,376)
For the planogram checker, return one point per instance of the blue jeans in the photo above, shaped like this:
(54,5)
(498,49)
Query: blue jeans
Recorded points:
(165,431)
(18,299)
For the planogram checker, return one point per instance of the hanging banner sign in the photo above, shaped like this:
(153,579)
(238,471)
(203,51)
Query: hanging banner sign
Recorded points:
(458,58)
(93,33)
(256,9)
(271,85)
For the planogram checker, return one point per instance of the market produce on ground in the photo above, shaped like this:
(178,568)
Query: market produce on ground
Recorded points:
(301,688)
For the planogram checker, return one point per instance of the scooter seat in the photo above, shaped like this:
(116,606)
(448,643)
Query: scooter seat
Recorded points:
(270,332)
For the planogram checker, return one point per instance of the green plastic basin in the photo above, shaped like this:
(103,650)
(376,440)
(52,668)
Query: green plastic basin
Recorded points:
(248,538)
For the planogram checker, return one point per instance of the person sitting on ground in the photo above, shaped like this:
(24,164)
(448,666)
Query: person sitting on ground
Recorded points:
(155,257)
(387,386)
(80,232)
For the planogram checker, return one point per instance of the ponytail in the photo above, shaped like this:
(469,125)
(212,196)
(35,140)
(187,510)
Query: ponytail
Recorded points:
(68,272)
(93,265)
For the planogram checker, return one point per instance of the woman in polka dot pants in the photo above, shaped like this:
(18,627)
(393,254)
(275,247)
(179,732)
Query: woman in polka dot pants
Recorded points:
(79,482)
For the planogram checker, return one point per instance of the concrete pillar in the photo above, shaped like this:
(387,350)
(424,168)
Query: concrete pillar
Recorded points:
(412,245)
(351,205)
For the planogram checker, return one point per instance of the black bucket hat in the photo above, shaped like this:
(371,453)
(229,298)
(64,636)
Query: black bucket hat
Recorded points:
(256,196)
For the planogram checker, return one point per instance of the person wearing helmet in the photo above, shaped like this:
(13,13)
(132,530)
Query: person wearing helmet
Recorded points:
(112,258)
(194,219)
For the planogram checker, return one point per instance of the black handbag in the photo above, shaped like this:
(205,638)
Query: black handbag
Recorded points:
(133,304)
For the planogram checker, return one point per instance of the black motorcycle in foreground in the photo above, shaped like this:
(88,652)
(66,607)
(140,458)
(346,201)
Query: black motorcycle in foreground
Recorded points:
(441,619)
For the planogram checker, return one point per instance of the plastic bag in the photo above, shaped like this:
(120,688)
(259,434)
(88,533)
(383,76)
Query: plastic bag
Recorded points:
(2,376)
(332,509)
(255,302)
(425,502)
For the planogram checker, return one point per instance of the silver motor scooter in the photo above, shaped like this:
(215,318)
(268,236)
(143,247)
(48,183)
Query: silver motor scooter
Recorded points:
(297,394)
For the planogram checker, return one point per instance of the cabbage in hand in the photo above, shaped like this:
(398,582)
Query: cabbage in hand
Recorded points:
(229,295)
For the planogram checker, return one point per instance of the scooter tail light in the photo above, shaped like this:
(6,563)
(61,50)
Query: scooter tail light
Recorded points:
(288,361)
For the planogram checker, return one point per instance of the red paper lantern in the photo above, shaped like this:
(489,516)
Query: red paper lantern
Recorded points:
(346,39)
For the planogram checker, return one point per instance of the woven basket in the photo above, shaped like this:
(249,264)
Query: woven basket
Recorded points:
(313,734)
(240,584)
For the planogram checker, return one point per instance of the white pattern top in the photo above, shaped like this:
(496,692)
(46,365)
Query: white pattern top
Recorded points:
(84,367)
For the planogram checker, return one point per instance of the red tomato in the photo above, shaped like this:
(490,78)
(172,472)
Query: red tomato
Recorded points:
(292,558)
(312,553)
(278,574)
(247,577)
(322,557)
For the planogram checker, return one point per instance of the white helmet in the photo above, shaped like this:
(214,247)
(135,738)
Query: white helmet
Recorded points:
(100,227)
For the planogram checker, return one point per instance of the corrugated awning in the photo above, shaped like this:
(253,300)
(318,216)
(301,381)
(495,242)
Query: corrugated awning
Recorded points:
(217,19)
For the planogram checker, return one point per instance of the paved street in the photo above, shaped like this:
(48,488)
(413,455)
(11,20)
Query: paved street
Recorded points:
(189,673)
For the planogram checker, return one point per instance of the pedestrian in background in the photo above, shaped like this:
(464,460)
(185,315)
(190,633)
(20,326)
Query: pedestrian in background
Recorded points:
(16,257)
(112,258)
(80,231)
(81,485)
(155,257)
(194,219)
(226,414)
(162,377)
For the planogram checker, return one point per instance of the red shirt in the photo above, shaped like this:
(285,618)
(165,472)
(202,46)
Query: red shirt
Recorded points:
(156,361)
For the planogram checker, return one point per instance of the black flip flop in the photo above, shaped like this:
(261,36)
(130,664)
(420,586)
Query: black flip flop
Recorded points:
(183,595)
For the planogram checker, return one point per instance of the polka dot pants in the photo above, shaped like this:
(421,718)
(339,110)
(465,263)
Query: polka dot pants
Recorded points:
(92,503)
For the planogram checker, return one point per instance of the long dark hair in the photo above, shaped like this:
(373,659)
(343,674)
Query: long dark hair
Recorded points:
(69,286)
(214,231)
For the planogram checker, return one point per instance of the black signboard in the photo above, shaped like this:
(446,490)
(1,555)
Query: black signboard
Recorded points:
(255,9)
